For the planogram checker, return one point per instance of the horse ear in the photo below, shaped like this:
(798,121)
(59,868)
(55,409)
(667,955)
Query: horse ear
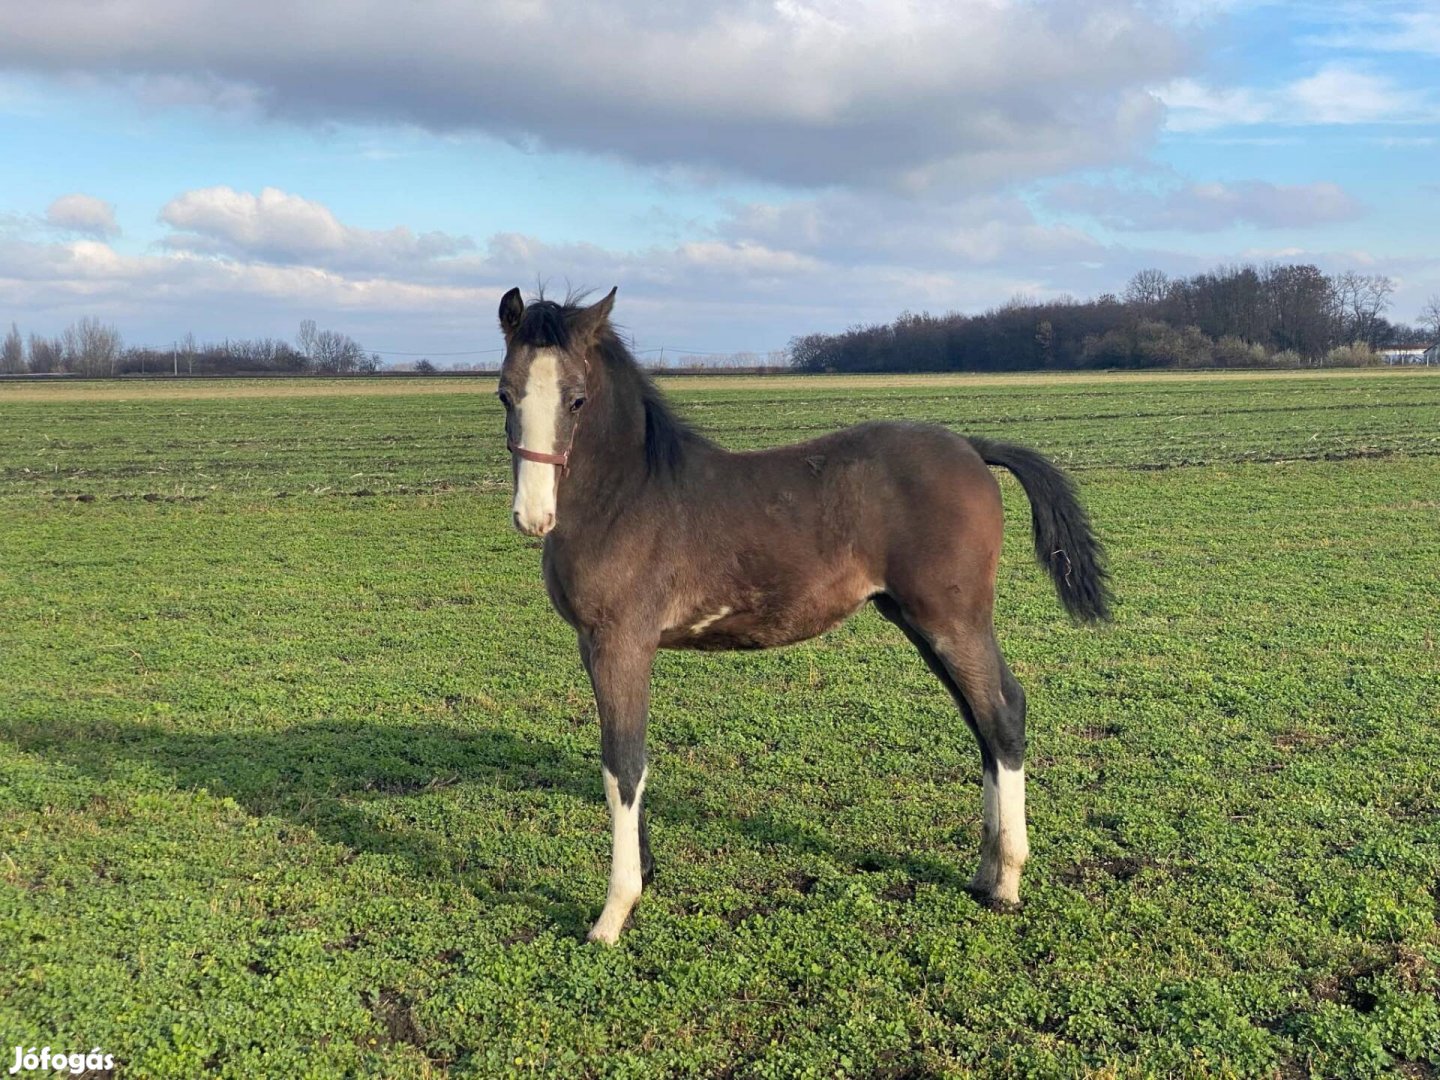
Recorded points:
(589,322)
(511,309)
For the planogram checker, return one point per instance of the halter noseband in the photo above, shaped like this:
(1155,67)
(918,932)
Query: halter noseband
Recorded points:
(563,460)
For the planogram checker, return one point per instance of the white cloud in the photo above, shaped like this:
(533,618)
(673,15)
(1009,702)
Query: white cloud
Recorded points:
(1338,94)
(848,228)
(276,226)
(1193,106)
(82,214)
(1208,206)
(1375,30)
(908,93)
(1334,94)
(256,264)
(1406,142)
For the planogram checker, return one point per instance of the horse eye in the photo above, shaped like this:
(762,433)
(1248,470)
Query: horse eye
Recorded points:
(576,404)
(504,398)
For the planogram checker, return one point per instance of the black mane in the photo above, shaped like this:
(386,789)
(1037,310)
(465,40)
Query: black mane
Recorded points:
(667,436)
(546,324)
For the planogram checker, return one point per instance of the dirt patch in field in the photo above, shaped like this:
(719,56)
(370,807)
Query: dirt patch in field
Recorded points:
(1119,867)
(902,892)
(392,1010)
(1299,738)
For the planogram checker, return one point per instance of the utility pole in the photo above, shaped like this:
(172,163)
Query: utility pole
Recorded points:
(175,356)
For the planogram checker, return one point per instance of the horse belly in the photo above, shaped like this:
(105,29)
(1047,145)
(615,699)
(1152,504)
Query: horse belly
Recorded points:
(747,630)
(770,620)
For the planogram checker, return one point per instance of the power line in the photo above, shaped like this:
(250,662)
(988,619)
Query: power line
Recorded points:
(467,352)
(703,352)
(657,349)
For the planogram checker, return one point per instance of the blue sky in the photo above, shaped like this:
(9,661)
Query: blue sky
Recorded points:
(743,171)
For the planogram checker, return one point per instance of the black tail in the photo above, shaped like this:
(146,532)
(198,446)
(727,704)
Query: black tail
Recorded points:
(1064,541)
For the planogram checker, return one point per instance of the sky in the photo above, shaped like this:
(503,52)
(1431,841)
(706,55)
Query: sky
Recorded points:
(744,172)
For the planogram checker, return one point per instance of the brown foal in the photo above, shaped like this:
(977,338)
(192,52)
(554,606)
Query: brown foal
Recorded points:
(657,538)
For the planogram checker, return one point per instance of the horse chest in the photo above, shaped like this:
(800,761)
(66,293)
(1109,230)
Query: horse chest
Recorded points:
(589,588)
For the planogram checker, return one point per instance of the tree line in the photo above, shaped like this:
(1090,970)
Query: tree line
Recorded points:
(1232,316)
(94,348)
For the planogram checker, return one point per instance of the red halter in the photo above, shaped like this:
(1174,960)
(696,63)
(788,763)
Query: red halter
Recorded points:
(563,460)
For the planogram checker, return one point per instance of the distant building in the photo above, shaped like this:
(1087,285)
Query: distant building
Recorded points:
(1410,354)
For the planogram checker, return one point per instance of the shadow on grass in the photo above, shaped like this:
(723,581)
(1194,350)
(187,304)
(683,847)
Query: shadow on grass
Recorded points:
(327,777)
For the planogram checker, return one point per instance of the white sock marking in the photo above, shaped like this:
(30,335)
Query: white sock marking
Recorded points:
(625,878)
(1005,815)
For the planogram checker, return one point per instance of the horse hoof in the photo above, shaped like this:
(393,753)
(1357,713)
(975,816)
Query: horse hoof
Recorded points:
(998,904)
(979,889)
(988,900)
(602,937)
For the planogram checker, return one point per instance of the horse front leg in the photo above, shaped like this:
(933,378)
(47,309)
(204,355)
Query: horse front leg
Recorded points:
(619,669)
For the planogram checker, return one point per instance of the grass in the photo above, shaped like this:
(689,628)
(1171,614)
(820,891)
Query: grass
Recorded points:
(299,773)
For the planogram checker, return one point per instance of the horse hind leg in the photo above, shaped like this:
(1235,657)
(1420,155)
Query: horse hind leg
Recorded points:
(996,709)
(1001,720)
(967,660)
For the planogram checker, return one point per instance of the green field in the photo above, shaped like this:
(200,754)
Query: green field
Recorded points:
(299,774)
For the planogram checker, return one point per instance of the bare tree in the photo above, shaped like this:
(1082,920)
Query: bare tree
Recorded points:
(1045,342)
(12,354)
(91,347)
(1361,300)
(333,352)
(1147,287)
(307,340)
(340,354)
(811,352)
(46,354)
(1430,317)
(1302,308)
(188,349)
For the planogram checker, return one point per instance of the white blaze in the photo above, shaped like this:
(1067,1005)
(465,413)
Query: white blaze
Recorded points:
(625,875)
(539,412)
